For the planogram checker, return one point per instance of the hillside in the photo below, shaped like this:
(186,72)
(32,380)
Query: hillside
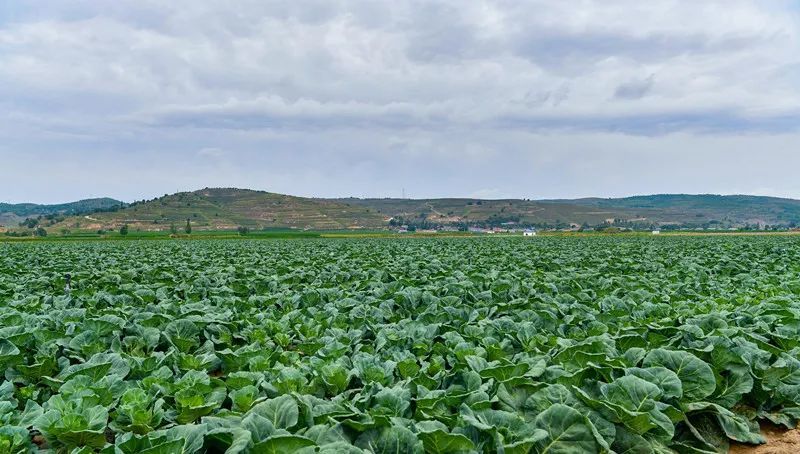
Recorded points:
(704,208)
(709,211)
(11,214)
(449,211)
(227,208)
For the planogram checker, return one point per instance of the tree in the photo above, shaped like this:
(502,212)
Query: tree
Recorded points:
(243,230)
(173,229)
(188,228)
(123,230)
(29,223)
(41,232)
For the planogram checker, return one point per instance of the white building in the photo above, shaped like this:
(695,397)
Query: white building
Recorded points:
(529,233)
(656,232)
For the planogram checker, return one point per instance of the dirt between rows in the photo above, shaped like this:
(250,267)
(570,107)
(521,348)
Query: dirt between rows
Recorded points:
(779,441)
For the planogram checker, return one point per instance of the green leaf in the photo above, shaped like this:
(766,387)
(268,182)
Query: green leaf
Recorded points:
(667,380)
(7,351)
(553,394)
(243,398)
(697,378)
(440,442)
(632,393)
(732,386)
(183,334)
(736,427)
(167,447)
(408,367)
(91,438)
(568,432)
(94,371)
(281,444)
(282,412)
(639,422)
(390,440)
(191,434)
(340,447)
(788,417)
(133,444)
(16,440)
(524,446)
(627,442)
(336,377)
(233,440)
(72,424)
(504,372)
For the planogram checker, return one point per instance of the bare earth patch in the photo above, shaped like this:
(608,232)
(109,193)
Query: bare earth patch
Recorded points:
(779,441)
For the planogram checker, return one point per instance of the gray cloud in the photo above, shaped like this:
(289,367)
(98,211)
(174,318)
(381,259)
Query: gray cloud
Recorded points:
(375,91)
(634,89)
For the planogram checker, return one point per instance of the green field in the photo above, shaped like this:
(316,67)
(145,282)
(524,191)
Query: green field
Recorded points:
(626,344)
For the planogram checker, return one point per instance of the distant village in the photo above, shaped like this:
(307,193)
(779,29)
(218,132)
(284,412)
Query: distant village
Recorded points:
(608,226)
(448,228)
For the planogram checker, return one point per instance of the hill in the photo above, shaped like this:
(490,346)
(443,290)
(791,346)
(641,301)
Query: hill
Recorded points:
(698,211)
(490,212)
(12,214)
(733,210)
(229,208)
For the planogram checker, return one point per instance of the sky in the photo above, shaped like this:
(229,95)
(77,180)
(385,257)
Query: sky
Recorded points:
(133,99)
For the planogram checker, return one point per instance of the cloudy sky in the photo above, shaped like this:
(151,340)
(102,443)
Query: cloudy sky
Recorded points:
(491,98)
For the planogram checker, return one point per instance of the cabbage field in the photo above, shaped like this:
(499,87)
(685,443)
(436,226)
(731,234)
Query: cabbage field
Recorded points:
(460,345)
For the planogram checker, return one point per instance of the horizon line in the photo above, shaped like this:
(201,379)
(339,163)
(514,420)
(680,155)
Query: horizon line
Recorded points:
(531,199)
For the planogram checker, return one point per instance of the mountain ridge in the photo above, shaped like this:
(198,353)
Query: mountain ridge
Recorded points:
(78,206)
(229,208)
(13,213)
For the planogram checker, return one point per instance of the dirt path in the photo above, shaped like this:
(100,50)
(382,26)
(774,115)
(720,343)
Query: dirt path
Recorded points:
(779,441)
(433,209)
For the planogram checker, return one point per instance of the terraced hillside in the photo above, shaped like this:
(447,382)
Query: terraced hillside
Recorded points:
(666,209)
(228,208)
(702,207)
(477,210)
(224,208)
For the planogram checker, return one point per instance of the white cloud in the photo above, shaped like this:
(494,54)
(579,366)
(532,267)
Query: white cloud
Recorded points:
(462,88)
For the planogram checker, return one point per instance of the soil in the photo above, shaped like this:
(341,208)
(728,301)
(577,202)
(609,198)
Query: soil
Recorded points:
(779,441)
(38,440)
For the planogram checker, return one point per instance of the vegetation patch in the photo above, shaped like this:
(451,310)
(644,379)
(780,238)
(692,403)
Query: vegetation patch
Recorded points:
(447,345)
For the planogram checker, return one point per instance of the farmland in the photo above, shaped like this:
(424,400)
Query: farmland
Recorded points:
(450,345)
